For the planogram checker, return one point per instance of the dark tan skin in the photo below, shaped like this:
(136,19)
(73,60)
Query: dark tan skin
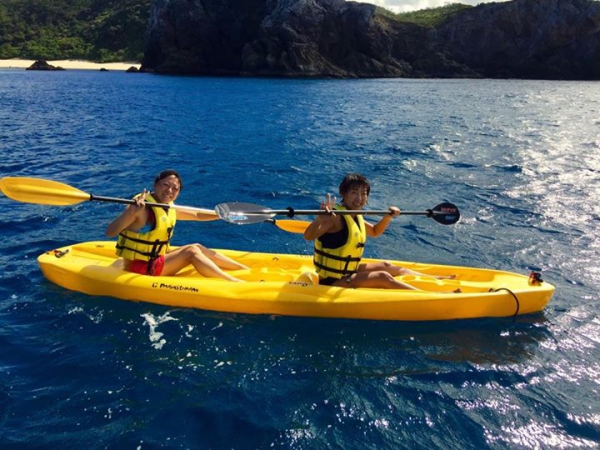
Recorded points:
(206,261)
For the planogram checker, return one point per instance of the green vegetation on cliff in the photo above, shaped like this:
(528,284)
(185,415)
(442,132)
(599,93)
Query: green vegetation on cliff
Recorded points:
(110,30)
(428,17)
(95,30)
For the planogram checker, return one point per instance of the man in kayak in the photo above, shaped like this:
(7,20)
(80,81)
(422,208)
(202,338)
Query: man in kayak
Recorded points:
(340,241)
(145,232)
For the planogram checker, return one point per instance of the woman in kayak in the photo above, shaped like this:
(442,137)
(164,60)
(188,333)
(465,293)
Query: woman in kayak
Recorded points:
(144,235)
(340,241)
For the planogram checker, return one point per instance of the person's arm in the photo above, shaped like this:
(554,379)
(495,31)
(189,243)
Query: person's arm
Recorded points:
(378,229)
(322,224)
(196,215)
(127,218)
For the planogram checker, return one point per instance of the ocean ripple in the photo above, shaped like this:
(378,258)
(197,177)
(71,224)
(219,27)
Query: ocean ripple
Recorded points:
(519,159)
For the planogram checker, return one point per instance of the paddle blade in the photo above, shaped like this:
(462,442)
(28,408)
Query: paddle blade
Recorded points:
(243,213)
(40,191)
(292,226)
(446,214)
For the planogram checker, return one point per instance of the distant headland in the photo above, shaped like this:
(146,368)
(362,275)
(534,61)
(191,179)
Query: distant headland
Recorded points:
(525,39)
(532,39)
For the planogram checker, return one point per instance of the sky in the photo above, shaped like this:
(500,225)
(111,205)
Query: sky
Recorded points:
(399,6)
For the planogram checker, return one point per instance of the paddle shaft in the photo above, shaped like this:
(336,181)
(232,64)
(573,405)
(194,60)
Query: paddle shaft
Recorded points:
(246,213)
(48,192)
(291,212)
(128,201)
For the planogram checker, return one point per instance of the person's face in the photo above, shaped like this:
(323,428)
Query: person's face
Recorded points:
(167,189)
(356,197)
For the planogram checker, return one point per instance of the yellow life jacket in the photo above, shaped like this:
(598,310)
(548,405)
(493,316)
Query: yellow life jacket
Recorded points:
(151,244)
(343,260)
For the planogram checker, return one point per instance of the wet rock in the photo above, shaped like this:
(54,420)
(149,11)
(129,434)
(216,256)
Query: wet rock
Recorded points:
(43,65)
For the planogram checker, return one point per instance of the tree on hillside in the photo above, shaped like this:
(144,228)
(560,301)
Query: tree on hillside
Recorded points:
(98,30)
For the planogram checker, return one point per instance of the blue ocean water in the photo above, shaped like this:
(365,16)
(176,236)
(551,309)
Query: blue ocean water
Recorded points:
(519,158)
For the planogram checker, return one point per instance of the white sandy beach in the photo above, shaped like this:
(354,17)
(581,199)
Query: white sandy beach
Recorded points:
(66,64)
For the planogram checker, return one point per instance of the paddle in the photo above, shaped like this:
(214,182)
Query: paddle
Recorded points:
(291,226)
(246,213)
(47,192)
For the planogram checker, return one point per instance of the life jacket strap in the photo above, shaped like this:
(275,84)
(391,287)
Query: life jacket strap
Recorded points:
(346,259)
(336,257)
(152,254)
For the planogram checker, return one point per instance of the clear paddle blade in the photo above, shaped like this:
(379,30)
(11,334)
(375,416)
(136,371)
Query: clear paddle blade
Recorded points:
(243,213)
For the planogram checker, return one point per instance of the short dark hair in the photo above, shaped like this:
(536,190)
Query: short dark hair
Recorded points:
(167,173)
(354,179)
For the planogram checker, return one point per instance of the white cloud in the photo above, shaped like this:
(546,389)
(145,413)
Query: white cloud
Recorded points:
(398,6)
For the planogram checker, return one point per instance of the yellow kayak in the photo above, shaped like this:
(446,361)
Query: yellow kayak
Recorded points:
(286,285)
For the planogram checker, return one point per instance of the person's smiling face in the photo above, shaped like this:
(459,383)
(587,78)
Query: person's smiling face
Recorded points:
(167,189)
(356,197)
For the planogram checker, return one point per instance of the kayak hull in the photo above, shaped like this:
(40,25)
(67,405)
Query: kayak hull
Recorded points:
(281,284)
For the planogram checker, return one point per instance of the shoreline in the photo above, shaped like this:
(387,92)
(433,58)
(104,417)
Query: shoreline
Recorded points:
(67,64)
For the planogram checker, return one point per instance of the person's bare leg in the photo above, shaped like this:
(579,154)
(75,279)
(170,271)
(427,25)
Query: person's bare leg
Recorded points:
(190,254)
(396,271)
(221,260)
(377,280)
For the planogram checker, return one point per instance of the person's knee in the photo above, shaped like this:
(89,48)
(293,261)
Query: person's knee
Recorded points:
(386,265)
(201,248)
(191,252)
(395,270)
(383,276)
(389,268)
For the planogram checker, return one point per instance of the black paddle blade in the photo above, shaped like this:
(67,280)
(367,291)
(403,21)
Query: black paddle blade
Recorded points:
(445,213)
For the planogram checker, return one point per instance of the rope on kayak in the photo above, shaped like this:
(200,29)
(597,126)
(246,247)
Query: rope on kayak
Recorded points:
(514,296)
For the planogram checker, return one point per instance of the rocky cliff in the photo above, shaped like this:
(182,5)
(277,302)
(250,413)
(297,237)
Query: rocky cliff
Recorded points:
(548,39)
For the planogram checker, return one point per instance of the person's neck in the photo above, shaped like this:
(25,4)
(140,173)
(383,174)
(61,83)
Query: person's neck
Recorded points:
(348,208)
